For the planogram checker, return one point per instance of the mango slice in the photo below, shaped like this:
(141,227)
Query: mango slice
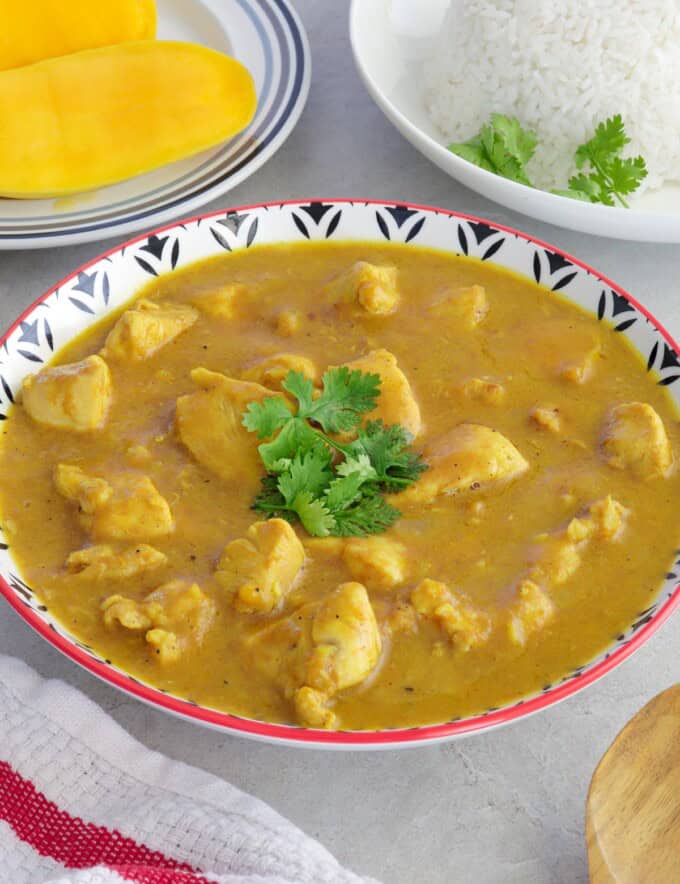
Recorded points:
(37,29)
(96,117)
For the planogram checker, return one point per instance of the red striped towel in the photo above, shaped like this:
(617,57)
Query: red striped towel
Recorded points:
(82,802)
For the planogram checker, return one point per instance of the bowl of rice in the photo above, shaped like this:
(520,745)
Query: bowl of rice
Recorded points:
(440,70)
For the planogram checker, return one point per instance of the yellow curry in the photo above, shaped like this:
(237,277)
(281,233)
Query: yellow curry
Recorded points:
(528,544)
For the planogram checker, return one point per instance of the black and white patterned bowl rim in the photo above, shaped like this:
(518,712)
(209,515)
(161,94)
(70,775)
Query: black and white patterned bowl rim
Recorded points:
(109,281)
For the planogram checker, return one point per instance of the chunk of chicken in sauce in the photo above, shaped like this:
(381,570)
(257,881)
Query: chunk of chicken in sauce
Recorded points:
(174,617)
(259,570)
(555,559)
(464,624)
(468,458)
(222,302)
(380,562)
(104,561)
(397,403)
(466,306)
(635,439)
(72,397)
(143,329)
(272,370)
(483,390)
(371,287)
(209,424)
(129,507)
(320,650)
(567,349)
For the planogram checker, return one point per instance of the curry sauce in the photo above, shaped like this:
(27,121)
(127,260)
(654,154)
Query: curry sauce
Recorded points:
(499,577)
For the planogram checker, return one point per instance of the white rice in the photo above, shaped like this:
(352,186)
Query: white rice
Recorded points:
(560,67)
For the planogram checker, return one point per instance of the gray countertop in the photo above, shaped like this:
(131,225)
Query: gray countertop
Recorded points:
(507,806)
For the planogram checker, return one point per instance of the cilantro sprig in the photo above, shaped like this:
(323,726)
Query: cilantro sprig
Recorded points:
(330,486)
(610,176)
(504,147)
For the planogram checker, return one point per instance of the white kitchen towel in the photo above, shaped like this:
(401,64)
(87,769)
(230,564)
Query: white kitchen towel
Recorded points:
(82,802)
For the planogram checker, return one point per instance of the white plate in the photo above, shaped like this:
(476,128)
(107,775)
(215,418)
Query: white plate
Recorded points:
(269,39)
(389,42)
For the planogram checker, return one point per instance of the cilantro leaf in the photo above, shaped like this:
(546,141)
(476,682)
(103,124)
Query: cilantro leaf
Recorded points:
(294,436)
(310,472)
(609,139)
(396,467)
(269,500)
(371,514)
(266,417)
(345,397)
(473,151)
(314,515)
(502,146)
(359,463)
(343,491)
(627,174)
(302,388)
(519,143)
(610,176)
(591,188)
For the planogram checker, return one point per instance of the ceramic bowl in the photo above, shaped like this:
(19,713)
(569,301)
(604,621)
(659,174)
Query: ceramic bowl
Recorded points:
(103,285)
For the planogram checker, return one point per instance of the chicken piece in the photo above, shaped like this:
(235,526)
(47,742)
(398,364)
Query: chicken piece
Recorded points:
(634,438)
(465,625)
(129,508)
(546,417)
(466,306)
(209,423)
(312,709)
(467,458)
(320,649)
(289,323)
(565,347)
(260,568)
(346,640)
(105,562)
(480,390)
(176,617)
(330,547)
(556,560)
(603,519)
(559,555)
(145,328)
(70,397)
(167,645)
(372,286)
(221,302)
(271,372)
(378,561)
(529,613)
(396,403)
(402,618)
(279,650)
(87,491)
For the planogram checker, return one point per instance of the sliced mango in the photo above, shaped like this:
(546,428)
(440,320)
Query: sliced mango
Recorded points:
(37,29)
(96,117)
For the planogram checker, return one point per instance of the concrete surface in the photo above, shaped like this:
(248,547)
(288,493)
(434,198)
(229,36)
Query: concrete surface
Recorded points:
(503,807)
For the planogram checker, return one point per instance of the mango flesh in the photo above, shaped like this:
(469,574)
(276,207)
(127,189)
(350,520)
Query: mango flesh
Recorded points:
(34,30)
(100,116)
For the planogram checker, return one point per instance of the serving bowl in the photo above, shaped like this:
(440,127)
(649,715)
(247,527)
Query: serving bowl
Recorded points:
(105,284)
(389,42)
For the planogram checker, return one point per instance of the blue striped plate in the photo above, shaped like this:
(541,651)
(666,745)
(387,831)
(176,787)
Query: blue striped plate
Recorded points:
(267,36)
